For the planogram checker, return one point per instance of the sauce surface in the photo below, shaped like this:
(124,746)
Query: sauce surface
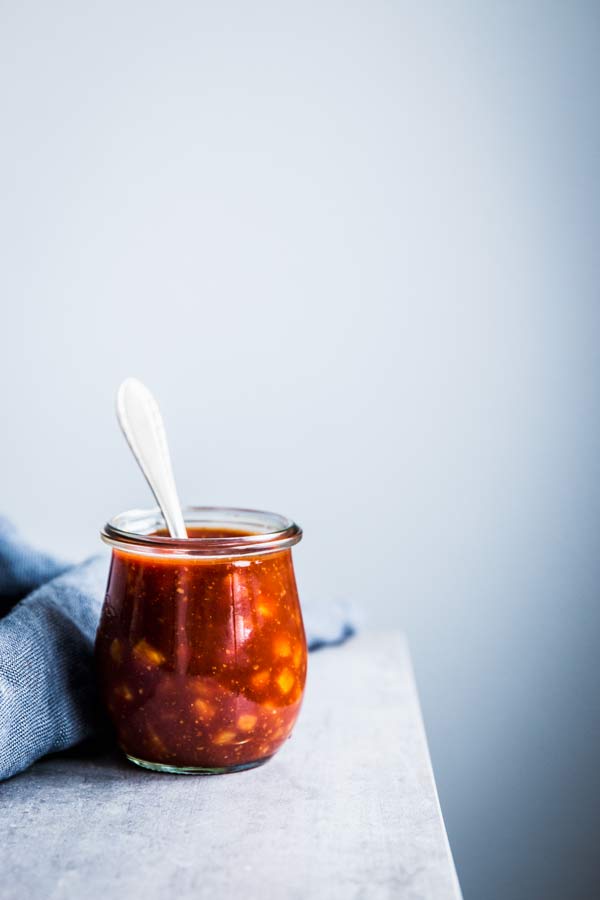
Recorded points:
(202,661)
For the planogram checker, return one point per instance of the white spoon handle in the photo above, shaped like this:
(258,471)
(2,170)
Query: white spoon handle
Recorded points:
(142,424)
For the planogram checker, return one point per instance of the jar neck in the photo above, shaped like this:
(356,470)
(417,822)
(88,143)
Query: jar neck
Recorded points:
(216,532)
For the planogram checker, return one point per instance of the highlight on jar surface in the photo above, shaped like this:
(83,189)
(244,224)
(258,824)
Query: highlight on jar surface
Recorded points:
(201,653)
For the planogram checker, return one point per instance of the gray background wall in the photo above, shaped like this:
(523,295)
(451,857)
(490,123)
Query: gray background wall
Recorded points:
(353,247)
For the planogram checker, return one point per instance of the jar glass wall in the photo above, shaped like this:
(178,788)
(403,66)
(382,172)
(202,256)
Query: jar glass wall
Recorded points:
(200,651)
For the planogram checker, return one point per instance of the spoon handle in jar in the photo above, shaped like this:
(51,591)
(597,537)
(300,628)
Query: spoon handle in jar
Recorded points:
(142,425)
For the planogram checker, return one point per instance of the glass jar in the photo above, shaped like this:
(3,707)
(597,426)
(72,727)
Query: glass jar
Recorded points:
(200,651)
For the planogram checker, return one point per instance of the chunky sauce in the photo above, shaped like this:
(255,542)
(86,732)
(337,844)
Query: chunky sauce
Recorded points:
(202,662)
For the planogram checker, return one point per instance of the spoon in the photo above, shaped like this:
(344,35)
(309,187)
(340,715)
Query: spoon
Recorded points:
(142,425)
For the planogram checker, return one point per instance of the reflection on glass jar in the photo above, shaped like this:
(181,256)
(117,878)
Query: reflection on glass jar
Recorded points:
(200,651)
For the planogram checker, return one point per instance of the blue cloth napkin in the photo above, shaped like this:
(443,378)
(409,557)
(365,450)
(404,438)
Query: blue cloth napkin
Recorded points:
(49,613)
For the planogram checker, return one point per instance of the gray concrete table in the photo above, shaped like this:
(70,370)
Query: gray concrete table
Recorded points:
(347,809)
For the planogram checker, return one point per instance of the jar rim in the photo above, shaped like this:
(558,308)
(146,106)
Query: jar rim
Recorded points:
(132,532)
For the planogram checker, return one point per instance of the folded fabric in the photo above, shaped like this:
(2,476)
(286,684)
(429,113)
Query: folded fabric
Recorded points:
(49,614)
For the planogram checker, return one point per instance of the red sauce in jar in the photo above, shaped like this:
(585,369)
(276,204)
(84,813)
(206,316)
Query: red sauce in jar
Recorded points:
(202,661)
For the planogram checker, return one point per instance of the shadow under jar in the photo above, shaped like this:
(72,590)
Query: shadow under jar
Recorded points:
(201,653)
